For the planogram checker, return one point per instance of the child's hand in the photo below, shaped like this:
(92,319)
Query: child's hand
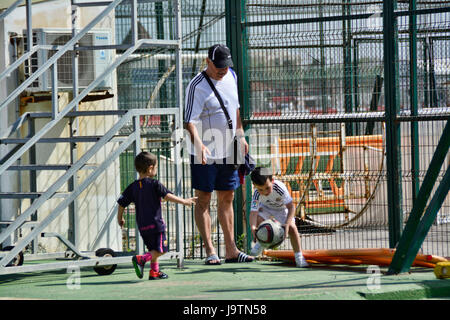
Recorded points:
(121,222)
(189,202)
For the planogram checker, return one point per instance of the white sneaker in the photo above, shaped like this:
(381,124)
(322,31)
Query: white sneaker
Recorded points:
(300,262)
(256,250)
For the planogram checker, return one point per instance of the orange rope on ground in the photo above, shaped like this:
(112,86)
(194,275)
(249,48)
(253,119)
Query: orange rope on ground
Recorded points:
(376,256)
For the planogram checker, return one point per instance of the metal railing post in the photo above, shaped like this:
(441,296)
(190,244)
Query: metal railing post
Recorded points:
(137,149)
(55,100)
(178,130)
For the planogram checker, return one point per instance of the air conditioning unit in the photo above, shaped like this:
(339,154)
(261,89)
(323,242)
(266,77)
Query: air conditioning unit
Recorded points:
(91,63)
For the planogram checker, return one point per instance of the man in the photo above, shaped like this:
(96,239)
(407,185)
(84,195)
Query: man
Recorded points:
(212,149)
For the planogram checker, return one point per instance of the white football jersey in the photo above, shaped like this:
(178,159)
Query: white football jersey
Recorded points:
(276,200)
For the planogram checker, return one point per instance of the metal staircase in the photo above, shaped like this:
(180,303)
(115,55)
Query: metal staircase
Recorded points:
(129,119)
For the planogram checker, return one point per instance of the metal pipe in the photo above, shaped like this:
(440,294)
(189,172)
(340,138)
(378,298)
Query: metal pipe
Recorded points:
(29,26)
(178,129)
(360,16)
(134,27)
(55,99)
(18,62)
(137,149)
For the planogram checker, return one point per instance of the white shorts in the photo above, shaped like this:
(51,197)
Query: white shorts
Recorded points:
(279,215)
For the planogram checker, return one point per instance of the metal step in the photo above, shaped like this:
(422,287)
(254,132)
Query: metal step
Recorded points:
(99,3)
(35,167)
(29,195)
(25,224)
(56,140)
(38,167)
(91,3)
(73,114)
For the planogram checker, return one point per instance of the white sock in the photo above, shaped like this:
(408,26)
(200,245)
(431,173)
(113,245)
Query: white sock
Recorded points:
(298,254)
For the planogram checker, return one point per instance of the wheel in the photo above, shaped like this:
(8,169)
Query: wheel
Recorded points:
(17,261)
(105,270)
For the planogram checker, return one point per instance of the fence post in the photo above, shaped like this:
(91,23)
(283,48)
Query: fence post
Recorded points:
(394,192)
(415,167)
(236,41)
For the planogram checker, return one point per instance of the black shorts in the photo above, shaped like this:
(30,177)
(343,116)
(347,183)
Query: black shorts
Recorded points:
(155,241)
(210,177)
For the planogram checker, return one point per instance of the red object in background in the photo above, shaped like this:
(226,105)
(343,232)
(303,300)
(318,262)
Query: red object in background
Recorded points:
(266,113)
(285,99)
(149,121)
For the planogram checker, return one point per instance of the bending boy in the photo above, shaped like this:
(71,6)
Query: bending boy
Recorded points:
(271,199)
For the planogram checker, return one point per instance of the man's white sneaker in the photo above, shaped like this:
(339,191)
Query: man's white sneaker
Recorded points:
(256,250)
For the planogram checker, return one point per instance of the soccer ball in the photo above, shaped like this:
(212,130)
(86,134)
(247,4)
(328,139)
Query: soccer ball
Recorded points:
(270,233)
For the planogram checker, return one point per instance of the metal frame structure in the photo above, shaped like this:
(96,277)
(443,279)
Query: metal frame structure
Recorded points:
(70,111)
(134,138)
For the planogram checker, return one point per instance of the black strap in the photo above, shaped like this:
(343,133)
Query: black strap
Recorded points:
(225,111)
(227,115)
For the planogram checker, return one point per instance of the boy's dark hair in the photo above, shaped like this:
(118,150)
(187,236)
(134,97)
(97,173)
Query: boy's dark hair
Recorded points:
(144,160)
(259,176)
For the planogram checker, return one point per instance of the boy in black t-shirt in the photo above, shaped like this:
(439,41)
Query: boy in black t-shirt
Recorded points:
(146,193)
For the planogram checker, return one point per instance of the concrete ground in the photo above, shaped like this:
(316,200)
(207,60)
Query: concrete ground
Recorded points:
(260,280)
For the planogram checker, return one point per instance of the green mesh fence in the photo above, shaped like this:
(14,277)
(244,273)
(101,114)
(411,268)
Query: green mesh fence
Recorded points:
(313,100)
(315,92)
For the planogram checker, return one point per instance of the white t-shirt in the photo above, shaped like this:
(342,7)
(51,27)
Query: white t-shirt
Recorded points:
(276,200)
(203,110)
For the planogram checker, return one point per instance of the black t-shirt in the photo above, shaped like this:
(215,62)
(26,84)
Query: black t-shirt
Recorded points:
(146,194)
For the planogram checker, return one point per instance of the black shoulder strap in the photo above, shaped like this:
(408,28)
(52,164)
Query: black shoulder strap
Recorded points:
(227,115)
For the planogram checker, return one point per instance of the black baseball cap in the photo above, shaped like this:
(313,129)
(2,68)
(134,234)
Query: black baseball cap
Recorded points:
(220,55)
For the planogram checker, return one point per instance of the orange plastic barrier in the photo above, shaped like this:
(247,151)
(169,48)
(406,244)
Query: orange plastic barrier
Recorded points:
(333,147)
(377,256)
